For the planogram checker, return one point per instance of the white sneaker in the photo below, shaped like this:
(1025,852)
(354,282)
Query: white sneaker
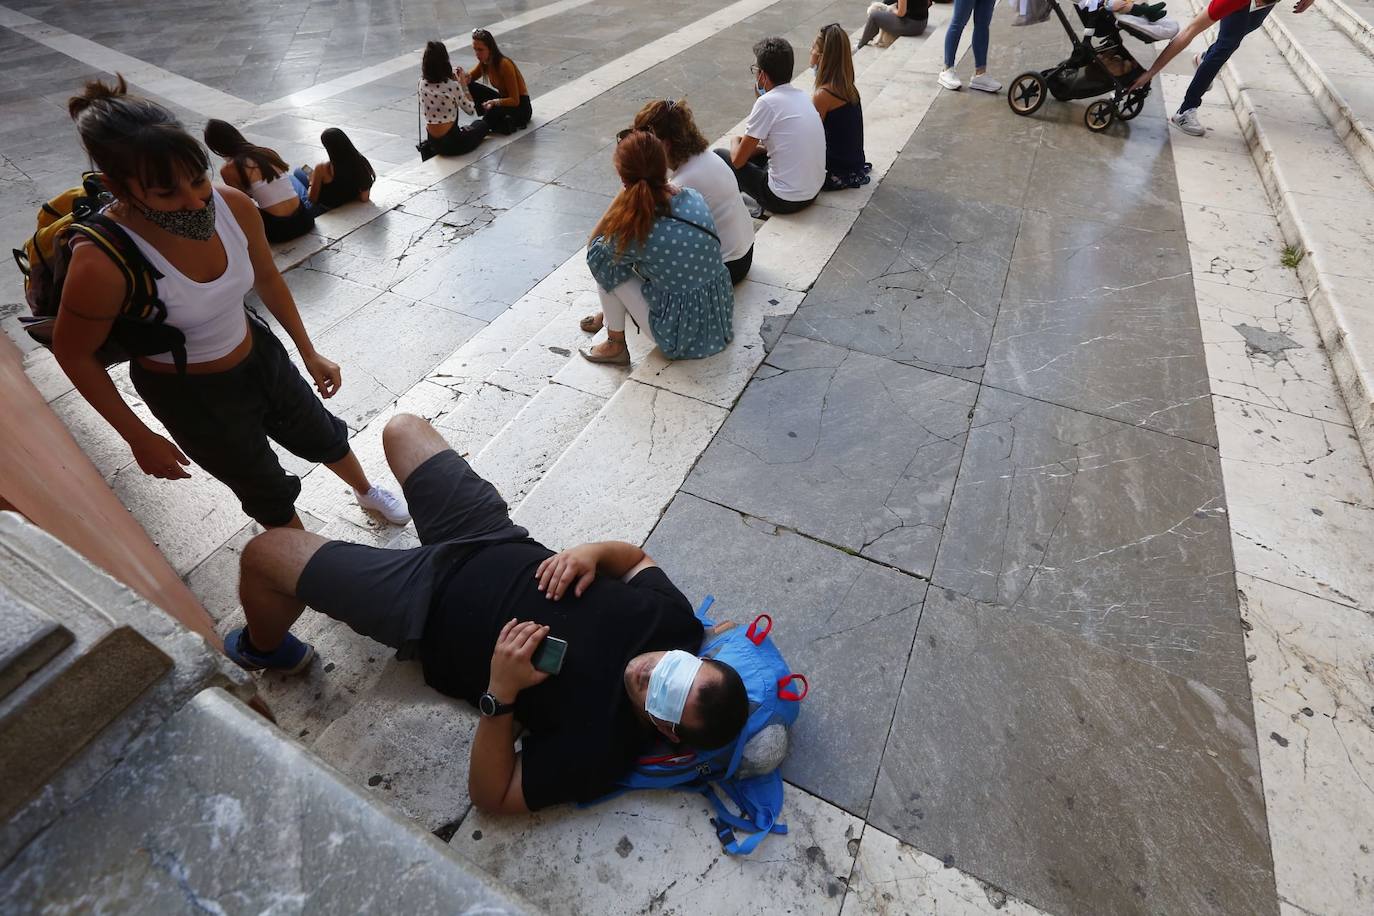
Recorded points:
(388,505)
(949,80)
(985,83)
(1187,122)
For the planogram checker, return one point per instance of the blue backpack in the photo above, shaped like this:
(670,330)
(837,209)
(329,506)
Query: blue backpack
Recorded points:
(746,770)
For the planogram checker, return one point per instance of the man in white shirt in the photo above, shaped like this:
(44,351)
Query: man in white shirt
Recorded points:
(780,161)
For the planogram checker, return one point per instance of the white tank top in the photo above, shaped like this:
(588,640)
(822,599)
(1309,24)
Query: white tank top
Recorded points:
(270,193)
(211,314)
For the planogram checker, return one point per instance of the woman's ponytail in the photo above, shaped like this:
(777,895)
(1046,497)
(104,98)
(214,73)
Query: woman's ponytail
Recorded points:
(96,91)
(643,168)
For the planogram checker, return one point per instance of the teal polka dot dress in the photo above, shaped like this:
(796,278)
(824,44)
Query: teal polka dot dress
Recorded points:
(691,300)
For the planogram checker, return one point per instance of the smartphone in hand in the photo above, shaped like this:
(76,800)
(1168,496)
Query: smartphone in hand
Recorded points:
(549,656)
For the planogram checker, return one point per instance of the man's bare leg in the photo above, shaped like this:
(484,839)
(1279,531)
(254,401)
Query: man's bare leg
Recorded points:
(269,569)
(409,441)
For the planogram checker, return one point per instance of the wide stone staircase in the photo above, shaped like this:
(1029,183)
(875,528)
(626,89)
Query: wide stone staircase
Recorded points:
(1303,89)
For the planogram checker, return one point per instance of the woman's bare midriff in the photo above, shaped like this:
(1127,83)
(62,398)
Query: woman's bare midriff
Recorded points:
(223,364)
(439,130)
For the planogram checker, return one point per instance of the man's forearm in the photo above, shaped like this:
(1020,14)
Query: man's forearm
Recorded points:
(616,558)
(492,761)
(1180,41)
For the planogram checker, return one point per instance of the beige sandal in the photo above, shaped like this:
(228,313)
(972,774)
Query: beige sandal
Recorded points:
(592,323)
(620,357)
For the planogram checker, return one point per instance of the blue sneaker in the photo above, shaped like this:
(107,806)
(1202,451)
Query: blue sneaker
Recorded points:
(291,657)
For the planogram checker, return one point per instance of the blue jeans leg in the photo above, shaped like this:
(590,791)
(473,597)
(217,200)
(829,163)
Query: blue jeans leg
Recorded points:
(957,20)
(982,19)
(1231,31)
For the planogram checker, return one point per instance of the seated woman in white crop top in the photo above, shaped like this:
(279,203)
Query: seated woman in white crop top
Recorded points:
(261,174)
(442,94)
(239,387)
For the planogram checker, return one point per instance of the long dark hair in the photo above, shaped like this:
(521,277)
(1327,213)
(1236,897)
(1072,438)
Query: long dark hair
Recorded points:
(225,140)
(643,167)
(350,166)
(486,38)
(131,138)
(435,66)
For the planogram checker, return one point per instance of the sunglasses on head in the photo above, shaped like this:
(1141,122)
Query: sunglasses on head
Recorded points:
(481,33)
(668,105)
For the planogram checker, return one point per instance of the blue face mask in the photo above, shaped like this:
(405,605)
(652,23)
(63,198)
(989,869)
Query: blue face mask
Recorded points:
(669,685)
(759,90)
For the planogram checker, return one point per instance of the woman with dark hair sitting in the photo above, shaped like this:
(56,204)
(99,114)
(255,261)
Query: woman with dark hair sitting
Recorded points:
(842,115)
(235,387)
(442,96)
(261,174)
(344,177)
(655,255)
(505,104)
(693,165)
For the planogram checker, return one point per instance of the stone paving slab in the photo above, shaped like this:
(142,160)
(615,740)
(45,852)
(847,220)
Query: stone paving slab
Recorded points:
(829,610)
(852,449)
(1082,780)
(1113,534)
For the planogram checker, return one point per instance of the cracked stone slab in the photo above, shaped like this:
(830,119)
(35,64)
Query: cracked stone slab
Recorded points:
(791,250)
(892,878)
(652,852)
(493,346)
(1314,717)
(1101,318)
(1239,249)
(323,299)
(517,457)
(394,245)
(1072,777)
(621,472)
(828,609)
(918,280)
(1108,532)
(849,448)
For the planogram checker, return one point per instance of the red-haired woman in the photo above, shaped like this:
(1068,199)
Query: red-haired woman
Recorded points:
(655,254)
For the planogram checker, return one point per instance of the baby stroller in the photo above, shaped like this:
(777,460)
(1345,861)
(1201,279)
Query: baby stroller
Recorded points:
(1099,64)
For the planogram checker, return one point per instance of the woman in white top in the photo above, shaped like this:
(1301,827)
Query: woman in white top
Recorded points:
(443,93)
(692,165)
(238,387)
(264,176)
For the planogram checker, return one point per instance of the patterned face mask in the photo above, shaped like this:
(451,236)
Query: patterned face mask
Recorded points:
(197,225)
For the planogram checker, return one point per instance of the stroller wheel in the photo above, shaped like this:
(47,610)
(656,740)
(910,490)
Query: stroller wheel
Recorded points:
(1027,93)
(1099,115)
(1129,105)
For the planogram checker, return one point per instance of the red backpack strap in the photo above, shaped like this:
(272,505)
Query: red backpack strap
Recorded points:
(787,692)
(757,636)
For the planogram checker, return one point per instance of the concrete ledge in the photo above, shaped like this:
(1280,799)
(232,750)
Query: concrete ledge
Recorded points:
(220,813)
(1349,22)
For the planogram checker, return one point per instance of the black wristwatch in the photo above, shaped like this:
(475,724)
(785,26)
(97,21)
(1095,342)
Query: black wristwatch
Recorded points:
(489,706)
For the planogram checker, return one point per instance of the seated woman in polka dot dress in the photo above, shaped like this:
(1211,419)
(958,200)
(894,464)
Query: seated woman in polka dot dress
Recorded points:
(656,255)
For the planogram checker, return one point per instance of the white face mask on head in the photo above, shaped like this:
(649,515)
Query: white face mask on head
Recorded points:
(669,685)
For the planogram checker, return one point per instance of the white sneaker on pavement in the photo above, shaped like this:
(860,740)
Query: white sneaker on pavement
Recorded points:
(1187,122)
(949,80)
(985,83)
(388,505)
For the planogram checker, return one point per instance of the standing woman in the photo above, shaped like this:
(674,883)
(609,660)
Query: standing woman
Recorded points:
(264,176)
(902,18)
(344,177)
(692,165)
(505,104)
(655,255)
(981,10)
(239,386)
(442,96)
(837,102)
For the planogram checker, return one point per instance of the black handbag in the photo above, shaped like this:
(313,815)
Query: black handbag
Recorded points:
(425,146)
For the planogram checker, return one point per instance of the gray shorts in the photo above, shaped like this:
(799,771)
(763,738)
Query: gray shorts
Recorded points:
(386,595)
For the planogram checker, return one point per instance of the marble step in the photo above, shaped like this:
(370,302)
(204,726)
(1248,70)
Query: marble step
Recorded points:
(1353,17)
(1338,72)
(1325,207)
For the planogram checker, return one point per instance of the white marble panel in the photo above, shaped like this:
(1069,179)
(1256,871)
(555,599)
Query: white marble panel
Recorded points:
(552,354)
(478,417)
(656,852)
(47,376)
(1338,230)
(719,379)
(1239,249)
(406,744)
(187,519)
(288,254)
(491,347)
(1310,663)
(515,459)
(1326,454)
(790,251)
(386,194)
(1215,178)
(616,479)
(893,879)
(1264,349)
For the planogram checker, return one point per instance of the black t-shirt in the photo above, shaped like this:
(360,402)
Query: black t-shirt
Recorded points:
(582,732)
(915,9)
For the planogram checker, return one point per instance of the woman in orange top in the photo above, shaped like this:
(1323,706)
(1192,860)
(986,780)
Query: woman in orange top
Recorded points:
(505,105)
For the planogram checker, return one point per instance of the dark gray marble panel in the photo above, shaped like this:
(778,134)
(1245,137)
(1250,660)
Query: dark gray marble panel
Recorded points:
(1073,777)
(850,448)
(1101,318)
(829,610)
(918,280)
(1115,534)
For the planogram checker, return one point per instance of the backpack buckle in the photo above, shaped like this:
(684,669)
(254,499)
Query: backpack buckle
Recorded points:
(704,769)
(723,833)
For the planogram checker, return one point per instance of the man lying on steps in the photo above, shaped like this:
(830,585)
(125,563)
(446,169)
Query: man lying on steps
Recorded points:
(474,602)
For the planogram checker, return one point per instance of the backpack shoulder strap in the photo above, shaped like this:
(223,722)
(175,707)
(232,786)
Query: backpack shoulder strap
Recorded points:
(140,277)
